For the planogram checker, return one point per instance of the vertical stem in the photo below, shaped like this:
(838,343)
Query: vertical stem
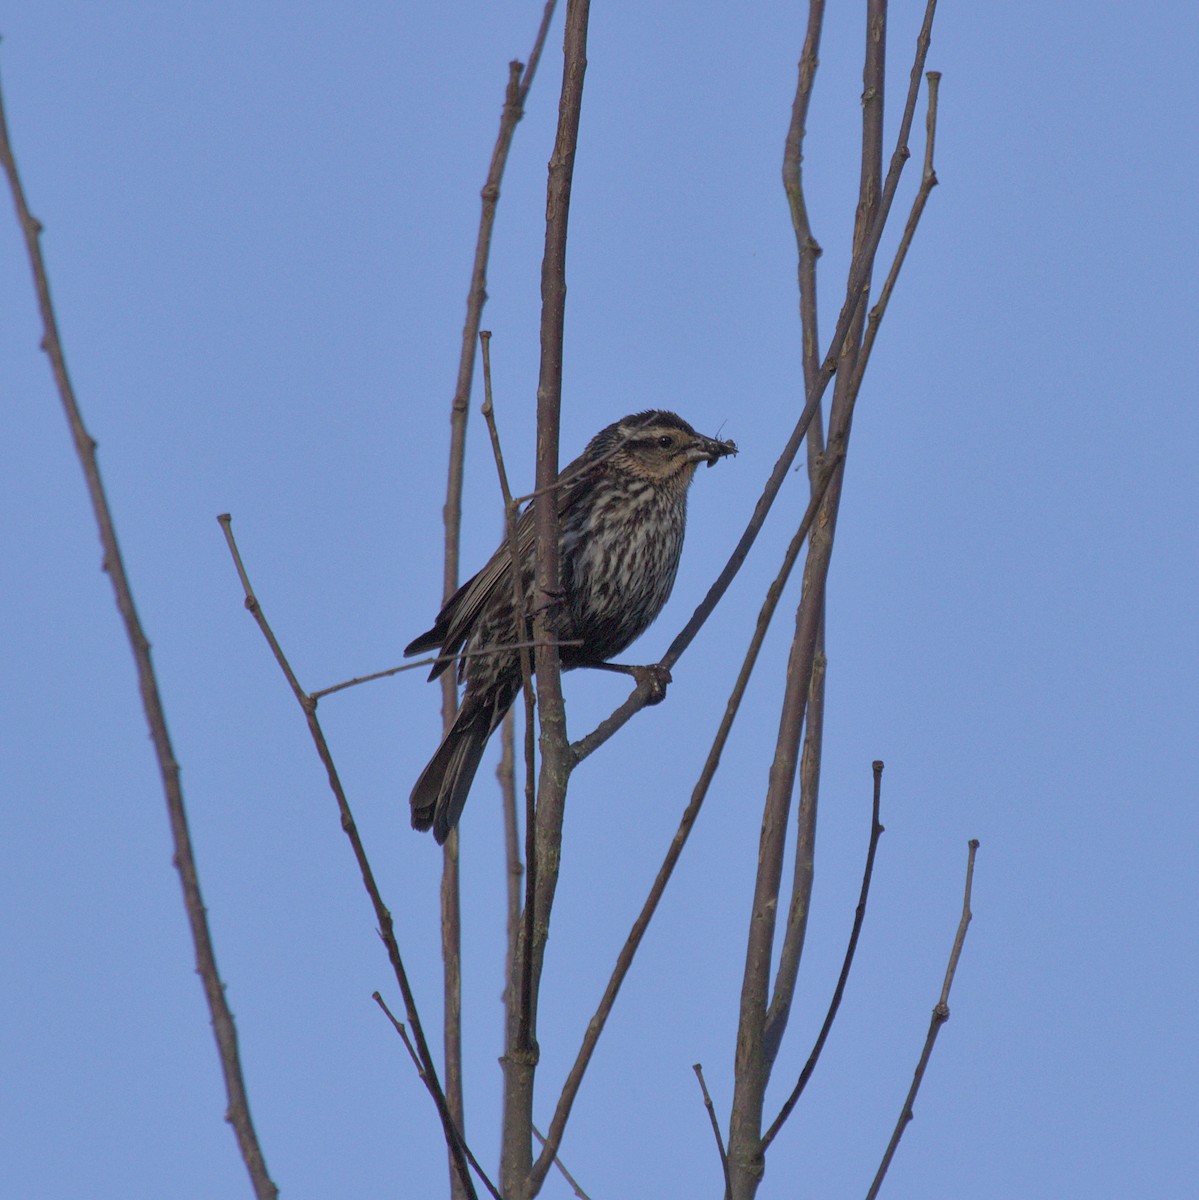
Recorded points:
(514,868)
(520,79)
(546,834)
(451,906)
(808,252)
(451,959)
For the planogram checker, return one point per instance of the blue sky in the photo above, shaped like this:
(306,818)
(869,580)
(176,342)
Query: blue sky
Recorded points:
(259,224)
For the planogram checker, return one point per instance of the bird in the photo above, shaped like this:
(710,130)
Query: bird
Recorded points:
(622,509)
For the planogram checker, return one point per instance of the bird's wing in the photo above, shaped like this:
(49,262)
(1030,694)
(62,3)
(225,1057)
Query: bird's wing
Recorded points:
(465,608)
(459,614)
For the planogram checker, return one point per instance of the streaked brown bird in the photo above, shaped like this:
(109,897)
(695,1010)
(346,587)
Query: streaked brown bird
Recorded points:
(622,505)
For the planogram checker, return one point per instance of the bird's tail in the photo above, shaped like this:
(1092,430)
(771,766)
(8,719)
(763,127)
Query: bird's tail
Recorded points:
(440,793)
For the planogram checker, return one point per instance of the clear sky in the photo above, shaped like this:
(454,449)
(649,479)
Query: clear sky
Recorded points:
(259,223)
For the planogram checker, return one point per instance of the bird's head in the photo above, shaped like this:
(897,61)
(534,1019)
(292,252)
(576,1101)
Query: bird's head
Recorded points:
(658,446)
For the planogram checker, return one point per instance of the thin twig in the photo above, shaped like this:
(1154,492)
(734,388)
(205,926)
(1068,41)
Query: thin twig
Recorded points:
(574,1183)
(402,1030)
(876,832)
(428,662)
(939,1017)
(724,1158)
(804,869)
(520,79)
(453,1135)
(514,868)
(519,1012)
(928,181)
(806,245)
(224,1029)
(808,252)
(451,961)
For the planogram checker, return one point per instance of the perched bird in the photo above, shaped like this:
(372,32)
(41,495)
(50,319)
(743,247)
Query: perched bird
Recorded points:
(622,505)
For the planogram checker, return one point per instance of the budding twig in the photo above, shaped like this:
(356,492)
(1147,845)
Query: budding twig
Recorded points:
(724,1158)
(939,1017)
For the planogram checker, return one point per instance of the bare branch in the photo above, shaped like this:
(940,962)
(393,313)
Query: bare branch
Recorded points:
(555,760)
(724,1158)
(876,831)
(806,245)
(755,1053)
(520,79)
(928,181)
(518,1011)
(753,1060)
(804,871)
(808,251)
(224,1029)
(453,1136)
(451,960)
(939,1017)
(511,512)
(402,1030)
(506,774)
(428,662)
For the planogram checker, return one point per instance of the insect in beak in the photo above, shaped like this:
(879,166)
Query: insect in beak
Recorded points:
(711,450)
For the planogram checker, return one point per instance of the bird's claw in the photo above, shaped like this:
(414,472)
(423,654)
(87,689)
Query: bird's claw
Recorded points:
(652,680)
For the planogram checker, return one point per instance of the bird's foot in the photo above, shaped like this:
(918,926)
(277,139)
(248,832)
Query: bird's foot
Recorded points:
(651,680)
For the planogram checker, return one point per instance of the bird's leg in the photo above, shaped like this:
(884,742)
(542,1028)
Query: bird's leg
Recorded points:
(651,679)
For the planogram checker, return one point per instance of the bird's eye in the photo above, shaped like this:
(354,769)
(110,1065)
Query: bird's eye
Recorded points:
(666,441)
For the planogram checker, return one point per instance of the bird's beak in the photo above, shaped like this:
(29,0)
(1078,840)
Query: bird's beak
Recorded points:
(709,450)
